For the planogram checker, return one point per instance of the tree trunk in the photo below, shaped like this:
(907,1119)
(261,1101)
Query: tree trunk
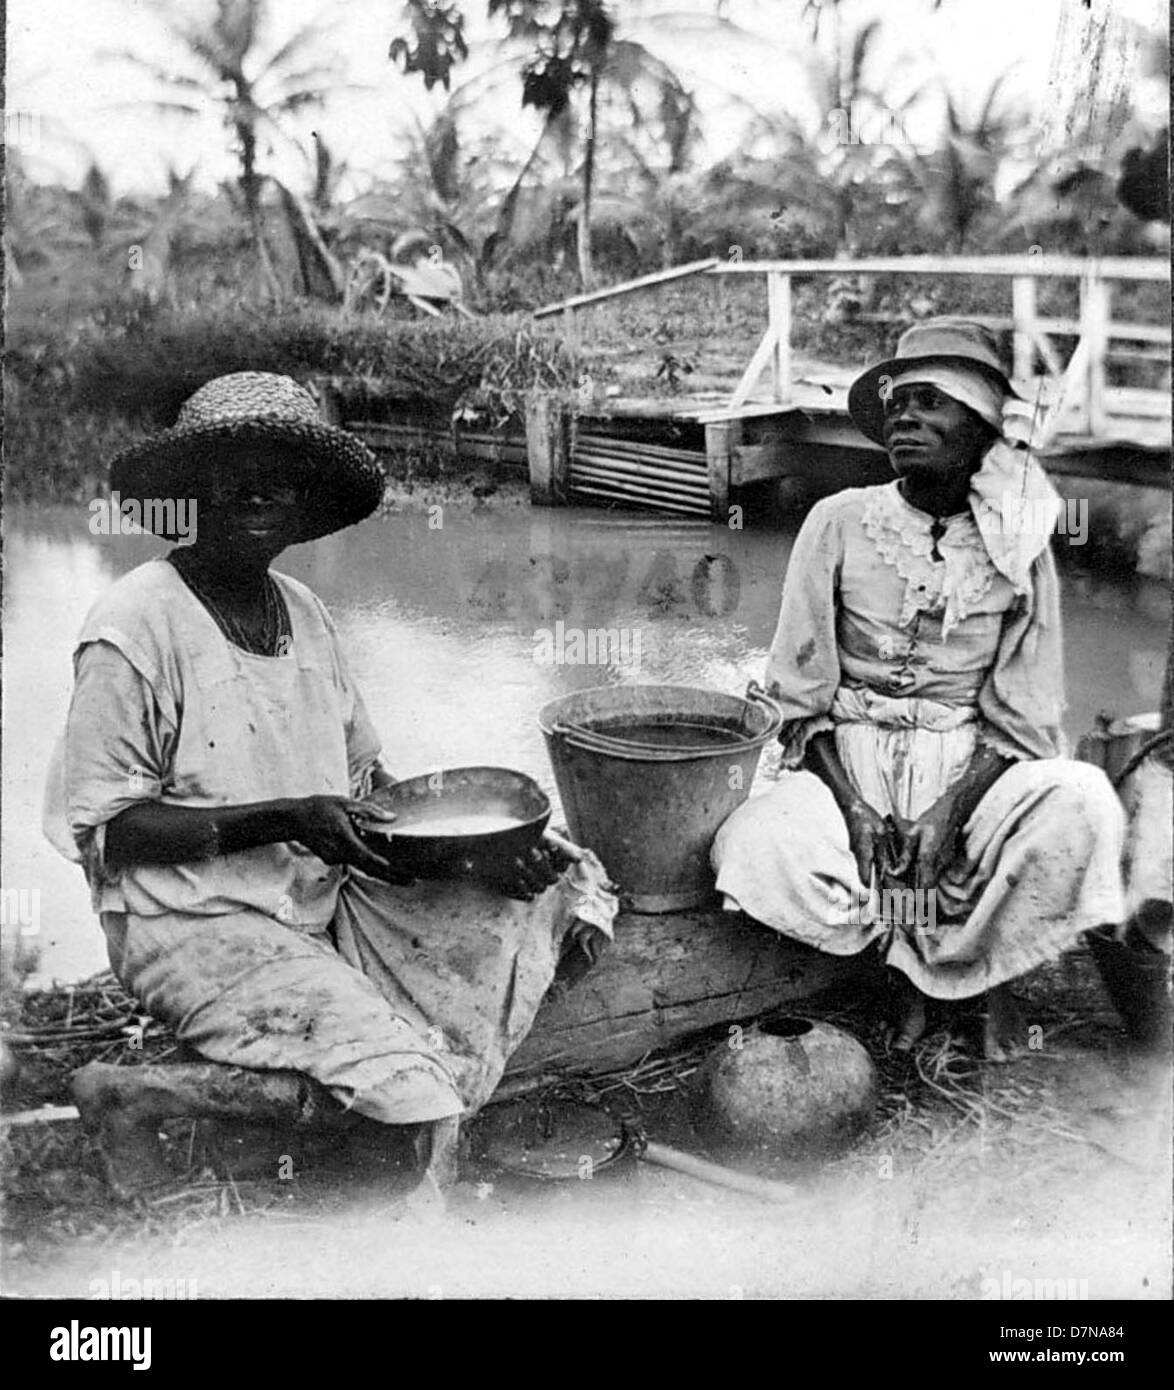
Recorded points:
(251,188)
(586,263)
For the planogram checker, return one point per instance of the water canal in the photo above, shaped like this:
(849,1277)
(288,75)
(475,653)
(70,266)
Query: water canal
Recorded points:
(461,623)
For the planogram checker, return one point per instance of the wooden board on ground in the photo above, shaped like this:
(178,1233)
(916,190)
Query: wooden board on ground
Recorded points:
(663,978)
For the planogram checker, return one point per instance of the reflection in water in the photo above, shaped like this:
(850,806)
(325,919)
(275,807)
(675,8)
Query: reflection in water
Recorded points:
(444,614)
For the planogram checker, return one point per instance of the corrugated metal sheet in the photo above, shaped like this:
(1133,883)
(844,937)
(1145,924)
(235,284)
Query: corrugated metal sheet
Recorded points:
(636,474)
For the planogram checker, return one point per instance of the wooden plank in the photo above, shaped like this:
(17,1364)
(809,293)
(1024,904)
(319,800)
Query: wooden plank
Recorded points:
(1094,314)
(547,452)
(720,441)
(1140,332)
(1023,314)
(1140,354)
(763,353)
(423,305)
(1135,402)
(1040,267)
(778,301)
(1118,331)
(639,408)
(571,331)
(1108,462)
(485,448)
(1049,354)
(657,277)
(44,1115)
(663,978)
(827,431)
(1071,392)
(756,463)
(713,415)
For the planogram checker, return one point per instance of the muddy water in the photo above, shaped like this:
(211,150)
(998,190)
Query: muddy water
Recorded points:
(460,625)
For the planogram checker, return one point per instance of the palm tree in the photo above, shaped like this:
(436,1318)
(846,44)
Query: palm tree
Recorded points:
(444,186)
(955,182)
(256,93)
(442,193)
(96,203)
(818,174)
(575,65)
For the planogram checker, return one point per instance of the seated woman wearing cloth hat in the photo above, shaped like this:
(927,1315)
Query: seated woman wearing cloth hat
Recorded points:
(215,755)
(918,664)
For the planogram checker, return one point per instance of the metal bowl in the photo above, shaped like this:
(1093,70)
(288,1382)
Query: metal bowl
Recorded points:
(452,820)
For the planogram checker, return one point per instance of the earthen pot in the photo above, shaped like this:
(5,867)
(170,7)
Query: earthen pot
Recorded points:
(787,1088)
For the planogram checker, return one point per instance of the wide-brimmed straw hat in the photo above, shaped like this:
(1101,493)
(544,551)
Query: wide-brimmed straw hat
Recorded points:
(342,478)
(955,342)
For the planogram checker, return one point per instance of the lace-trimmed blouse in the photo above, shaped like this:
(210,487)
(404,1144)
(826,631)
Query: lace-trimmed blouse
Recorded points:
(867,606)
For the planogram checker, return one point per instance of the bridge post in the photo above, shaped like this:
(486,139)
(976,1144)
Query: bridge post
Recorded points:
(1095,301)
(778,302)
(721,439)
(1023,313)
(548,450)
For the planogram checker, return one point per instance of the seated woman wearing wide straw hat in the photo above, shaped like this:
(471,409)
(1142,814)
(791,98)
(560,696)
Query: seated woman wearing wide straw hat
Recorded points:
(215,749)
(925,805)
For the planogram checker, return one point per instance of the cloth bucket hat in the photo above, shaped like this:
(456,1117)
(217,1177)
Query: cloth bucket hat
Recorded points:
(343,479)
(956,342)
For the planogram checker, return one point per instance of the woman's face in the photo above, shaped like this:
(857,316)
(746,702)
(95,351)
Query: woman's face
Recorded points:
(252,511)
(930,434)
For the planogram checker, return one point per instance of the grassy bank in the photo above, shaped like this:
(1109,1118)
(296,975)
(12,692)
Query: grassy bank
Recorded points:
(73,398)
(80,387)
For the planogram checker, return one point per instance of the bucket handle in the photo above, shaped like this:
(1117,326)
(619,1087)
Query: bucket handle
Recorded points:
(595,742)
(755,692)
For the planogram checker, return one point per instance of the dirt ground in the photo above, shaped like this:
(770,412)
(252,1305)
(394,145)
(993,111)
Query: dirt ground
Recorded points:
(972,1176)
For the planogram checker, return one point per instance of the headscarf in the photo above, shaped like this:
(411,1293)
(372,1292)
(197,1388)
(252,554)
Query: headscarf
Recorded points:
(1012,500)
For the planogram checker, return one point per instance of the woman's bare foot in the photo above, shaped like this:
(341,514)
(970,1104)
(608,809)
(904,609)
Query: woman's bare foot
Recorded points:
(118,1114)
(1004,1035)
(910,1025)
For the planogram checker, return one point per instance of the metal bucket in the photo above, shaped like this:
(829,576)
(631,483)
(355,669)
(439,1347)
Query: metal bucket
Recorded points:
(648,773)
(1114,744)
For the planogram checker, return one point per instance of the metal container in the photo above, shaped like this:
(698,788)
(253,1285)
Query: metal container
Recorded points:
(1113,744)
(421,838)
(648,773)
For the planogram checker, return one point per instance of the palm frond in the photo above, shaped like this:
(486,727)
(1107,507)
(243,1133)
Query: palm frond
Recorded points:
(307,34)
(862,42)
(168,76)
(164,108)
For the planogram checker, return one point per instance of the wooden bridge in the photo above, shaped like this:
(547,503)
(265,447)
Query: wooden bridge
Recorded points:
(780,422)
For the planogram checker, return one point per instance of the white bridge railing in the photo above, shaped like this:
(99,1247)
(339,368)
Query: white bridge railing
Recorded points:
(1075,393)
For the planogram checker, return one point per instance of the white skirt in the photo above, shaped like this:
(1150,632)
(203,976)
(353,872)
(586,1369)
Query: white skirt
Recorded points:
(1041,863)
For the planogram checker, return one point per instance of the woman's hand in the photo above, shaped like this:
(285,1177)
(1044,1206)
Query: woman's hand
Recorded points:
(524,876)
(869,833)
(928,845)
(326,826)
(870,838)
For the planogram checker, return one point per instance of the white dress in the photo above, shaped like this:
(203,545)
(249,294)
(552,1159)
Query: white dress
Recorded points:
(913,662)
(405,1002)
